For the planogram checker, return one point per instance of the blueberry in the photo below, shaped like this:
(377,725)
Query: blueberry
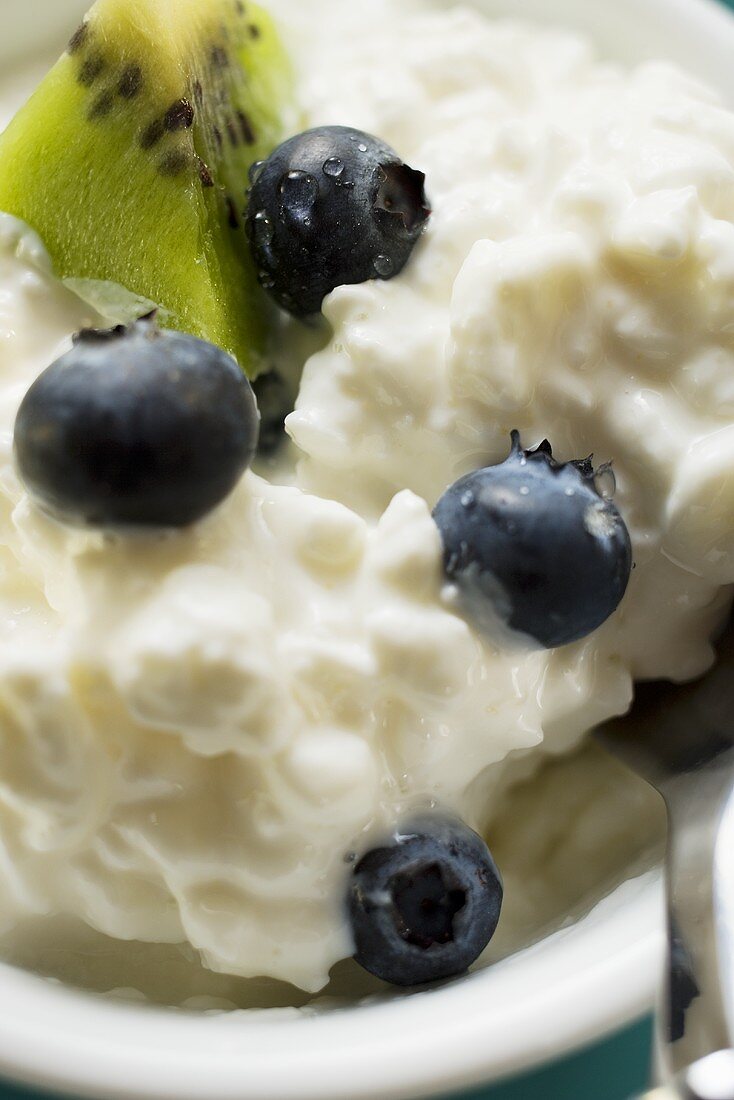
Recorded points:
(136,427)
(275,400)
(425,905)
(329,207)
(534,542)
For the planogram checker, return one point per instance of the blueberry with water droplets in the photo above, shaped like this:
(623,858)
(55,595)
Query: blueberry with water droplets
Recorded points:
(424,905)
(537,544)
(330,207)
(136,427)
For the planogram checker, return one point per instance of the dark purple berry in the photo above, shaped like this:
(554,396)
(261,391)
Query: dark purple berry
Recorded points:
(329,207)
(425,904)
(136,427)
(533,542)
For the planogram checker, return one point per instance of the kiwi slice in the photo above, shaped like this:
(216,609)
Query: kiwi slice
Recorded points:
(131,160)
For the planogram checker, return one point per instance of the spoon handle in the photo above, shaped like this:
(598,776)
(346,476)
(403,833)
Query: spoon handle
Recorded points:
(711,1078)
(695,1022)
(697,1010)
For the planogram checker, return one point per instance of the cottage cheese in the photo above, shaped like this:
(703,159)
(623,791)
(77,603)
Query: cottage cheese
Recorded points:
(198,730)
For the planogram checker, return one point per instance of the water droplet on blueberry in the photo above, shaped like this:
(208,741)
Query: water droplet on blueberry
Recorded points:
(260,228)
(333,167)
(255,170)
(298,194)
(383,266)
(263,228)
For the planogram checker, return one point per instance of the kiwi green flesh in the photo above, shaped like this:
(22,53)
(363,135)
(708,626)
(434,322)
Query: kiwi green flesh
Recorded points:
(131,159)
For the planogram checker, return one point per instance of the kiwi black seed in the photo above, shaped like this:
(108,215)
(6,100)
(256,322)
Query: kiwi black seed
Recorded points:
(91,69)
(205,174)
(248,134)
(78,38)
(131,82)
(234,221)
(179,116)
(232,134)
(102,105)
(174,162)
(152,134)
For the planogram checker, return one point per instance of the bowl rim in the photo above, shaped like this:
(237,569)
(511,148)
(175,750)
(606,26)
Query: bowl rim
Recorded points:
(470,1032)
(473,1031)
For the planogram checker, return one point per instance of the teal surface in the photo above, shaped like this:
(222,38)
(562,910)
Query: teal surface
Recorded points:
(613,1070)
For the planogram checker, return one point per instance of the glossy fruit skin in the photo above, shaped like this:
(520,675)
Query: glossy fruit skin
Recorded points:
(332,206)
(533,542)
(136,427)
(425,905)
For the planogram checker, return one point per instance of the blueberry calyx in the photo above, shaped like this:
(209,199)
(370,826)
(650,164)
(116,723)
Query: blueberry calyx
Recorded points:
(401,193)
(585,466)
(146,323)
(424,905)
(98,335)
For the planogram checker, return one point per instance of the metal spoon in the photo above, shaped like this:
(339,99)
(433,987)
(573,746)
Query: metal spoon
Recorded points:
(681,740)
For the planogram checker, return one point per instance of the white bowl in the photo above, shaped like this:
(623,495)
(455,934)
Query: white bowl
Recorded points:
(568,989)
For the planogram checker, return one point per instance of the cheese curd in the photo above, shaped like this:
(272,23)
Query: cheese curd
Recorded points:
(199,730)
